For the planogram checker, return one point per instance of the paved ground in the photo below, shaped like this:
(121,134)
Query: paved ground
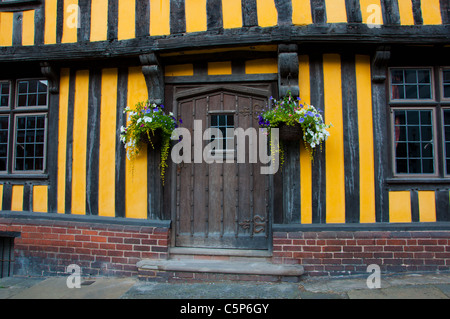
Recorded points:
(411,286)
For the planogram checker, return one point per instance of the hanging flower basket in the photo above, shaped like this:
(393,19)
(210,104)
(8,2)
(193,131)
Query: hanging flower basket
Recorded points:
(296,121)
(291,132)
(148,124)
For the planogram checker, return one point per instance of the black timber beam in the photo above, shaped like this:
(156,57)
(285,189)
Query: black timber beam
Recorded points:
(312,34)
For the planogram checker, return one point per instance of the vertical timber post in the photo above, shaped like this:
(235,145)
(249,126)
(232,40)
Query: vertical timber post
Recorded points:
(288,67)
(154,77)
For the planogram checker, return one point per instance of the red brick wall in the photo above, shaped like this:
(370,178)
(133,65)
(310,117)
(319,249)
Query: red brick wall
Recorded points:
(48,247)
(345,253)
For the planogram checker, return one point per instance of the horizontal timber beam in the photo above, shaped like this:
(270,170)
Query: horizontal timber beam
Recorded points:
(328,33)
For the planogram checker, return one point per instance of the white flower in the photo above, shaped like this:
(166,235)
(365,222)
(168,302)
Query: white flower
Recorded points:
(122,129)
(148,119)
(170,113)
(139,120)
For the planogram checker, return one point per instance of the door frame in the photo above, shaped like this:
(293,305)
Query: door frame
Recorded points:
(243,87)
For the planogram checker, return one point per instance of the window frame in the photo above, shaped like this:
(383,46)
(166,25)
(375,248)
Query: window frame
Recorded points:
(13,112)
(441,84)
(435,142)
(444,149)
(8,144)
(13,155)
(413,101)
(6,108)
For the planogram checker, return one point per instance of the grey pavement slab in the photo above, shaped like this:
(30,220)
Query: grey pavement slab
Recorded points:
(399,292)
(213,291)
(56,288)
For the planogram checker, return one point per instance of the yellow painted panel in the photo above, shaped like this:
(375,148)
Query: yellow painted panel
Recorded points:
(261,66)
(50,21)
(159,17)
(99,20)
(267,13)
(71,22)
(195,15)
(301,12)
(107,165)
(365,133)
(1,196)
(431,12)
(136,170)
(79,142)
(40,198)
(62,138)
(219,68)
(179,70)
(406,12)
(232,14)
(371,12)
(305,159)
(6,28)
(336,11)
(28,27)
(127,20)
(400,207)
(334,155)
(427,206)
(17,198)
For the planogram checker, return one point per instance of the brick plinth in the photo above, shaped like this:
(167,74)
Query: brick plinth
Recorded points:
(331,253)
(46,248)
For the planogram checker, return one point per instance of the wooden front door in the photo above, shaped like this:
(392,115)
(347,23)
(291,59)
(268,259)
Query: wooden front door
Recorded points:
(222,205)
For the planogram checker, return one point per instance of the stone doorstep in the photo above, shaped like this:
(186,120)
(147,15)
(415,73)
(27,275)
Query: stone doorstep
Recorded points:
(222,267)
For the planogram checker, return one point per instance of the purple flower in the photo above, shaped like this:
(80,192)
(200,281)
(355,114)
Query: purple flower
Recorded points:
(181,122)
(309,113)
(301,120)
(155,109)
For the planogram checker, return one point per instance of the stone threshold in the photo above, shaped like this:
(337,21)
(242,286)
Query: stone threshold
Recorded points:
(221,267)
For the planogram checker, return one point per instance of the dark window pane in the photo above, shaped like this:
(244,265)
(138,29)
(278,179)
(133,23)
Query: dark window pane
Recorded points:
(424,76)
(3,150)
(39,164)
(401,150)
(427,150)
(424,92)
(402,166)
(413,133)
(22,100)
(32,100)
(20,150)
(32,86)
(42,100)
(411,76)
(31,122)
(2,164)
(446,76)
(4,123)
(214,120)
(23,87)
(397,76)
(447,117)
(425,117)
(447,91)
(4,101)
(415,166)
(413,149)
(43,86)
(428,167)
(397,92)
(427,133)
(413,117)
(5,88)
(411,91)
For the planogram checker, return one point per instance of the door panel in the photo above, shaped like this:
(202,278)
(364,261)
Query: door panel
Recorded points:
(222,205)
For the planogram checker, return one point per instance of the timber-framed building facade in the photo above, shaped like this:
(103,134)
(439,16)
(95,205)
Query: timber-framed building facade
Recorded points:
(377,193)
